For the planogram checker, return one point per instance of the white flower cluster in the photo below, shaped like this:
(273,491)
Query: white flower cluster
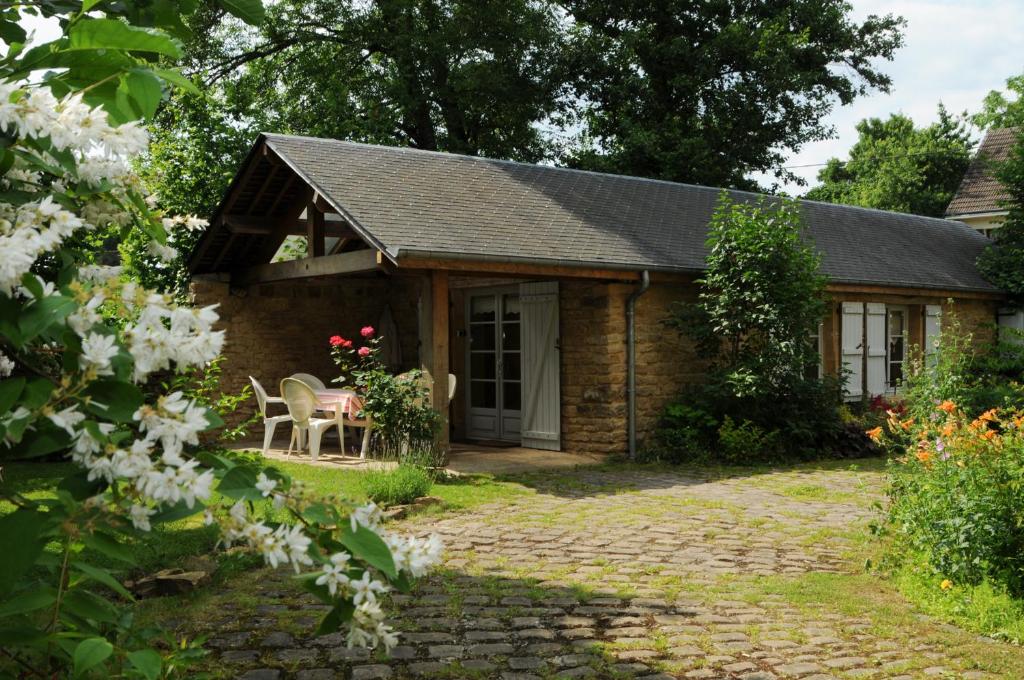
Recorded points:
(6,365)
(163,332)
(71,124)
(26,232)
(342,578)
(283,545)
(152,465)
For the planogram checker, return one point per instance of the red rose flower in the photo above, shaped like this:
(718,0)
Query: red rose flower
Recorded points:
(337,341)
(364,351)
(367,331)
(347,344)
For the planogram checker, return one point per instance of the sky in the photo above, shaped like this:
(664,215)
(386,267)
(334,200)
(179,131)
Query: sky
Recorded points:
(955,51)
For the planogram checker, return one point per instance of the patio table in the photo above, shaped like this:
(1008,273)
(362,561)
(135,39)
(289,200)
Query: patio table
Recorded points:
(338,400)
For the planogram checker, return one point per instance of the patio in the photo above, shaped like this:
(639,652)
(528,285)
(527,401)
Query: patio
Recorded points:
(464,458)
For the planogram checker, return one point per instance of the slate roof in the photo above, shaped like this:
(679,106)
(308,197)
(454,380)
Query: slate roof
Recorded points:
(980,191)
(407,202)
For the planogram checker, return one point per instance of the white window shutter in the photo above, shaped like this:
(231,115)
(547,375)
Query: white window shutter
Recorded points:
(932,325)
(877,348)
(1011,325)
(541,414)
(853,352)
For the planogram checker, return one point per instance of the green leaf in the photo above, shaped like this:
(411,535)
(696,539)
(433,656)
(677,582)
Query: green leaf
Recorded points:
(177,511)
(370,548)
(214,419)
(102,576)
(79,487)
(112,34)
(113,399)
(21,542)
(249,11)
(43,315)
(107,545)
(10,390)
(321,513)
(143,91)
(147,662)
(240,483)
(28,602)
(43,440)
(175,78)
(340,614)
(86,605)
(90,653)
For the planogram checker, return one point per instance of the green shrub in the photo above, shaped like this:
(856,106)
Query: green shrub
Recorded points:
(397,486)
(746,441)
(957,495)
(685,433)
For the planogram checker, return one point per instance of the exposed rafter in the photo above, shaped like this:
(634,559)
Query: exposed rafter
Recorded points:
(354,262)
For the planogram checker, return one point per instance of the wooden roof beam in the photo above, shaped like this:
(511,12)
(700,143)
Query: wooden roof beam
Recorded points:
(265,226)
(354,262)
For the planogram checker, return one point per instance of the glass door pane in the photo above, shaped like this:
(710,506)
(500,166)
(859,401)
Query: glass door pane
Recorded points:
(897,346)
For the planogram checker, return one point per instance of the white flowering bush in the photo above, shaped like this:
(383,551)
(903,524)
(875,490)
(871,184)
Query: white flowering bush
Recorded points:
(72,118)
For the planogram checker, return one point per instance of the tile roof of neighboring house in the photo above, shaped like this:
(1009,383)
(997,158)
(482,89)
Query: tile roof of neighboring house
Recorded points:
(412,202)
(980,191)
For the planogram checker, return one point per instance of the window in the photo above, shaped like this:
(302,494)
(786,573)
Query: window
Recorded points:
(896,335)
(814,370)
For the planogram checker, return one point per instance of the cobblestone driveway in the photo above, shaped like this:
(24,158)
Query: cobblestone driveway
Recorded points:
(622,574)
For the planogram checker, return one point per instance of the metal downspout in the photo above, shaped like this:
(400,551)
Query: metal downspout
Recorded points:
(645,283)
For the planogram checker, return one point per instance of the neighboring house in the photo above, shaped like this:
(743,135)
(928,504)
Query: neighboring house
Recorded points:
(522,280)
(978,199)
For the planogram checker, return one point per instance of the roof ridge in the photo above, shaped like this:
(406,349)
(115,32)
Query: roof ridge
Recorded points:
(487,159)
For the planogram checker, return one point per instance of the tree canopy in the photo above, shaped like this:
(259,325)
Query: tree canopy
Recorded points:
(660,89)
(895,165)
(708,93)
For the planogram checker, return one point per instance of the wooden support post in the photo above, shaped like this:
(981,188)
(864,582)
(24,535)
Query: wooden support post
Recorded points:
(314,230)
(439,349)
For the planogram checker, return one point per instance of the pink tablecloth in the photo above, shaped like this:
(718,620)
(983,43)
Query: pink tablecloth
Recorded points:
(345,401)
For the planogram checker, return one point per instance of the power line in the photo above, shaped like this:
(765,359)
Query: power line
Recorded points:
(873,158)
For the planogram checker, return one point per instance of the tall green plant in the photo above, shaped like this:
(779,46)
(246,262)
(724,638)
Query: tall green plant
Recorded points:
(761,298)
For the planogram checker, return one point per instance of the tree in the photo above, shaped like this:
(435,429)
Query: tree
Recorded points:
(1002,263)
(761,299)
(1003,109)
(710,92)
(897,166)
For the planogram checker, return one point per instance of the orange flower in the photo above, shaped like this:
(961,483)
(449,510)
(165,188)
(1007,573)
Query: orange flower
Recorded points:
(875,433)
(948,429)
(989,415)
(906,424)
(988,435)
(946,584)
(924,455)
(947,406)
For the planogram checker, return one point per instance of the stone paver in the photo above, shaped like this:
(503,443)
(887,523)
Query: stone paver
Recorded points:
(616,574)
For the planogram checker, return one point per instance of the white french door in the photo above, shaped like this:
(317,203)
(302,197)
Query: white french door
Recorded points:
(494,365)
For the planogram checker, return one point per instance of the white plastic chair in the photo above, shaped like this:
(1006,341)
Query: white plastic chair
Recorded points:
(366,423)
(301,403)
(269,422)
(311,380)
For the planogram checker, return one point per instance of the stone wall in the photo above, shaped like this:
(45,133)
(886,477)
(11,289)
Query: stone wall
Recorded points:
(593,366)
(275,330)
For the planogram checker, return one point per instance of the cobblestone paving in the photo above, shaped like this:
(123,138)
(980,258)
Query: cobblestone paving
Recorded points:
(613,574)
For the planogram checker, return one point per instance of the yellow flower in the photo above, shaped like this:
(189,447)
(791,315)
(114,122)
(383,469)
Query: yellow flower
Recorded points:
(875,433)
(946,584)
